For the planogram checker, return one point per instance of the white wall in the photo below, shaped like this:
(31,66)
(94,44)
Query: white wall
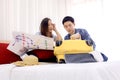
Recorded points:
(102,20)
(111,27)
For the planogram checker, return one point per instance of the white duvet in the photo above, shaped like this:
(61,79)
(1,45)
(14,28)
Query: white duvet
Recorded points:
(81,71)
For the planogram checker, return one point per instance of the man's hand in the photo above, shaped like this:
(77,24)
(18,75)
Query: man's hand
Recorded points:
(75,36)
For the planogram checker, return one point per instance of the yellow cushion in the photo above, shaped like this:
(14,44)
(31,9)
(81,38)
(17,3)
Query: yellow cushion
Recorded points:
(71,47)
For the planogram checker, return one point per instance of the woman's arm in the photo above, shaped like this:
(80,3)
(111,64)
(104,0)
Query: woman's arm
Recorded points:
(58,36)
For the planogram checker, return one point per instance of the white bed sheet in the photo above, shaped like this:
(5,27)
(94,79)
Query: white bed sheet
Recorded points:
(5,71)
(81,71)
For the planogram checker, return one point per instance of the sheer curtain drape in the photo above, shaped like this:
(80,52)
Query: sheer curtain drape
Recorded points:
(26,15)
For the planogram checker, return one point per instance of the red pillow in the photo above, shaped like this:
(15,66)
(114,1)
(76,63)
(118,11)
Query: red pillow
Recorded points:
(44,55)
(7,56)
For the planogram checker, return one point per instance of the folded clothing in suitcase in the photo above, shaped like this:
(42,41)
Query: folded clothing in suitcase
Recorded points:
(79,58)
(93,56)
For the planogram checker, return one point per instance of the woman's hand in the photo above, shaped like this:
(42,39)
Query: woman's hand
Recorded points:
(54,27)
(58,37)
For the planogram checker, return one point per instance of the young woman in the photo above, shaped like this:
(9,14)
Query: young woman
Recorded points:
(46,29)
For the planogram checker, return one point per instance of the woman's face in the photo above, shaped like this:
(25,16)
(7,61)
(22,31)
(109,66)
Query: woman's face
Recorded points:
(69,27)
(50,26)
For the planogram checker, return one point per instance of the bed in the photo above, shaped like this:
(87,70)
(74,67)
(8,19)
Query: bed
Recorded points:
(53,71)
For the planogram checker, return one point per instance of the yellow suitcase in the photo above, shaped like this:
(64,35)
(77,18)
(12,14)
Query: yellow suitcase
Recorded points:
(70,47)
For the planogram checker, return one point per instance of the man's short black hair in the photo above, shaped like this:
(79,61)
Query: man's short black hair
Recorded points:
(68,18)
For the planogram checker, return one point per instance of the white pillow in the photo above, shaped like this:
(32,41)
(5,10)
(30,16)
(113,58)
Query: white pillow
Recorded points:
(23,42)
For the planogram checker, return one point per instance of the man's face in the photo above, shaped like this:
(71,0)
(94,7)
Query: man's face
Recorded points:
(69,27)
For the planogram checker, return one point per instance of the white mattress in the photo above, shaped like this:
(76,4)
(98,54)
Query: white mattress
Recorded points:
(81,71)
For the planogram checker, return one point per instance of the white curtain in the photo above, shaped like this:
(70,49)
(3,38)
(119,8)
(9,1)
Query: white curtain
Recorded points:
(26,15)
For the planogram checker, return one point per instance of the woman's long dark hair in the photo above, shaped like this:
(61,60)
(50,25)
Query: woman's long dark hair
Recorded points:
(44,27)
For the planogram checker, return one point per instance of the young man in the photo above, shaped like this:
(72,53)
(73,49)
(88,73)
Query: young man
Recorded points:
(73,33)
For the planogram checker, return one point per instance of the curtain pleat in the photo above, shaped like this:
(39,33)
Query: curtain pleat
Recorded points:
(26,15)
